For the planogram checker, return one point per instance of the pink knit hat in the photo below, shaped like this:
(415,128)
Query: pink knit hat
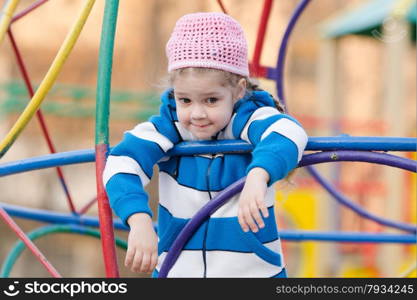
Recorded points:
(209,40)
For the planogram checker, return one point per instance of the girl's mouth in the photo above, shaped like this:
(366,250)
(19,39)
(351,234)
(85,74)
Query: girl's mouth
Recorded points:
(200,126)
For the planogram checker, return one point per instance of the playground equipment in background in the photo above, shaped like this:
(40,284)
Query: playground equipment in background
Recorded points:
(329,149)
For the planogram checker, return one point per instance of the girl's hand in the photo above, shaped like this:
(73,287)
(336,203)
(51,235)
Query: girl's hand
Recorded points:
(142,249)
(251,201)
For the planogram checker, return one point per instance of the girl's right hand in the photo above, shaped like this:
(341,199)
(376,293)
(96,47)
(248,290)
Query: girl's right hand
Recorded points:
(252,201)
(142,249)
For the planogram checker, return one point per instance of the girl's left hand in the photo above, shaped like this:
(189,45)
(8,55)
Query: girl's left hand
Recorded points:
(251,201)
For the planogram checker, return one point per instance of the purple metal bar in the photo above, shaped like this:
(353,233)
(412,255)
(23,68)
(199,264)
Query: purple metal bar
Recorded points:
(195,222)
(233,189)
(356,208)
(363,156)
(283,49)
(379,158)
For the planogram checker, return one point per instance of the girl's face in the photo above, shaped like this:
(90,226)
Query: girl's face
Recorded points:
(205,102)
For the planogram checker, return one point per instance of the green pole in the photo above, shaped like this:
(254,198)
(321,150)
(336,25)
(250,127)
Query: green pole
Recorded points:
(102,134)
(43,231)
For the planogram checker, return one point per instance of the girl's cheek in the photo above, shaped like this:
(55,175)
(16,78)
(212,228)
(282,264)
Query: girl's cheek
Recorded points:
(182,116)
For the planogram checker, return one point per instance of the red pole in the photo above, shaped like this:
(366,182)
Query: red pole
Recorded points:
(31,246)
(222,6)
(87,206)
(105,215)
(39,115)
(261,36)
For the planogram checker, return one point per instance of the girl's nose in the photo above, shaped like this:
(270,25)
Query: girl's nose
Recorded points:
(198,112)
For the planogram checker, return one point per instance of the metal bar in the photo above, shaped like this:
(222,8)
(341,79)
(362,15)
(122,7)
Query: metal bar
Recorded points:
(225,146)
(203,214)
(47,230)
(6,16)
(31,246)
(41,120)
(48,80)
(55,217)
(283,49)
(102,134)
(260,37)
(363,156)
(347,237)
(223,8)
(27,10)
(47,161)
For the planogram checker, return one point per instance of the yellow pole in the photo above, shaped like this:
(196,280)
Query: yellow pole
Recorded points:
(48,81)
(401,8)
(6,17)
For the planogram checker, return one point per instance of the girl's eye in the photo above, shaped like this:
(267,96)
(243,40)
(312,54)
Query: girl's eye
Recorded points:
(212,100)
(184,100)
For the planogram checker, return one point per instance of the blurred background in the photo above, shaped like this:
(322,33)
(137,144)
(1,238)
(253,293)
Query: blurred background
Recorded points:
(350,69)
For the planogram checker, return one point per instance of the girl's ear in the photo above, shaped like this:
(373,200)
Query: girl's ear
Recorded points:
(240,89)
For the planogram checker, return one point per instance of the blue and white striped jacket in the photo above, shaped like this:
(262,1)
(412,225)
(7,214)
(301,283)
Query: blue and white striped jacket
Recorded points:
(219,248)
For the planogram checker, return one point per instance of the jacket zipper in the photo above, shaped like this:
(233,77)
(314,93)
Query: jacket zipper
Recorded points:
(205,231)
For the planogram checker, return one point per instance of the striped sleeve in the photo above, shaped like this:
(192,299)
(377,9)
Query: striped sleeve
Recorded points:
(279,141)
(129,166)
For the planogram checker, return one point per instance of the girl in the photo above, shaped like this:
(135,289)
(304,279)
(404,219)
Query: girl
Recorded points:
(210,99)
